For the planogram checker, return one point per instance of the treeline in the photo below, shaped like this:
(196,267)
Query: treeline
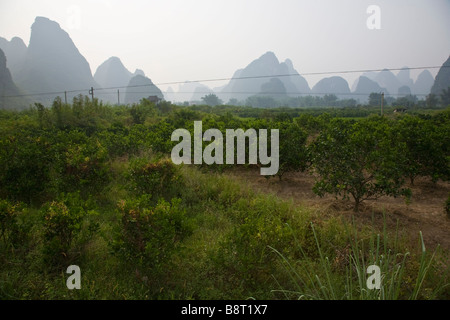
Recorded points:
(67,147)
(265,101)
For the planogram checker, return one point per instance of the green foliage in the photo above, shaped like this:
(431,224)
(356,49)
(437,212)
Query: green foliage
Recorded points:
(293,153)
(160,137)
(317,279)
(13,228)
(149,234)
(427,148)
(80,163)
(140,112)
(177,223)
(156,179)
(62,223)
(211,100)
(358,159)
(244,252)
(25,161)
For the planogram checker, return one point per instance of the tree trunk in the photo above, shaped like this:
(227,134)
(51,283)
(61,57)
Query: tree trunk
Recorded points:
(411,179)
(356,207)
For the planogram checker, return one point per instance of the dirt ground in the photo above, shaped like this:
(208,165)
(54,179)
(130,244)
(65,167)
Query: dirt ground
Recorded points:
(424,213)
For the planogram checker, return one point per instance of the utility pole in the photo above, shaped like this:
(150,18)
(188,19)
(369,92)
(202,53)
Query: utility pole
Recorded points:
(65,97)
(118,97)
(91,92)
(382,102)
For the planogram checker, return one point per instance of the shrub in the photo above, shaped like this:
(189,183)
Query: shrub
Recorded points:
(63,220)
(360,160)
(149,234)
(13,230)
(260,222)
(160,178)
(81,163)
(25,159)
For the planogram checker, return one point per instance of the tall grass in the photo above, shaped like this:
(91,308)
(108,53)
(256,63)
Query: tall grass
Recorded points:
(403,274)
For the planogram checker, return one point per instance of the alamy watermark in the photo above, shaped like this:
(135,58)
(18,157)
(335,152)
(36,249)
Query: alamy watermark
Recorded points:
(374,20)
(74,281)
(213,153)
(374,280)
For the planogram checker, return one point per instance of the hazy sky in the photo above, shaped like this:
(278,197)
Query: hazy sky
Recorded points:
(178,40)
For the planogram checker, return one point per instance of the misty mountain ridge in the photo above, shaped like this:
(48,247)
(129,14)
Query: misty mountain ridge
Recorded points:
(141,87)
(15,52)
(113,75)
(423,83)
(52,63)
(262,71)
(8,88)
(365,86)
(333,85)
(442,81)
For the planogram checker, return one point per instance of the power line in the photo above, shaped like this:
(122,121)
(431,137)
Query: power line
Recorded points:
(274,93)
(277,76)
(233,78)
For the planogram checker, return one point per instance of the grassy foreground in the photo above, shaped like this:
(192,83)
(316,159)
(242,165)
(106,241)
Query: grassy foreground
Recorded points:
(204,237)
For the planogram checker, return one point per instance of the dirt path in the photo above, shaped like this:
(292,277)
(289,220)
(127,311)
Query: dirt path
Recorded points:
(424,213)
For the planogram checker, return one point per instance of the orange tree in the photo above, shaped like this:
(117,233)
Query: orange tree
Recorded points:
(362,160)
(427,147)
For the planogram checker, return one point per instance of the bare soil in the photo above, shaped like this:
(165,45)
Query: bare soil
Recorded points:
(425,211)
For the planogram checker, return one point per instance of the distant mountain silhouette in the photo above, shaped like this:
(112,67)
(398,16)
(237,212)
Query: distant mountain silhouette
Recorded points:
(8,88)
(138,72)
(53,62)
(442,80)
(274,87)
(300,83)
(200,91)
(141,87)
(170,95)
(404,77)
(263,70)
(423,83)
(333,85)
(386,79)
(365,86)
(15,52)
(404,91)
(112,74)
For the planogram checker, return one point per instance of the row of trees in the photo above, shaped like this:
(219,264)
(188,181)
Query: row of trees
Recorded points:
(332,100)
(358,159)
(67,148)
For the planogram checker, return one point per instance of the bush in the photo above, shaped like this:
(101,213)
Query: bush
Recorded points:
(25,159)
(149,234)
(157,179)
(63,220)
(361,160)
(13,229)
(80,163)
(260,222)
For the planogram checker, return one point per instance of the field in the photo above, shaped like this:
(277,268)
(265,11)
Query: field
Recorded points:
(93,185)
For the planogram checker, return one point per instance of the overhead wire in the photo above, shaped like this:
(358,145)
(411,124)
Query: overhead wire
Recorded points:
(238,78)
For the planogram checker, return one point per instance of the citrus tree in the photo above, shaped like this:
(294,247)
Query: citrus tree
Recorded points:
(358,160)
